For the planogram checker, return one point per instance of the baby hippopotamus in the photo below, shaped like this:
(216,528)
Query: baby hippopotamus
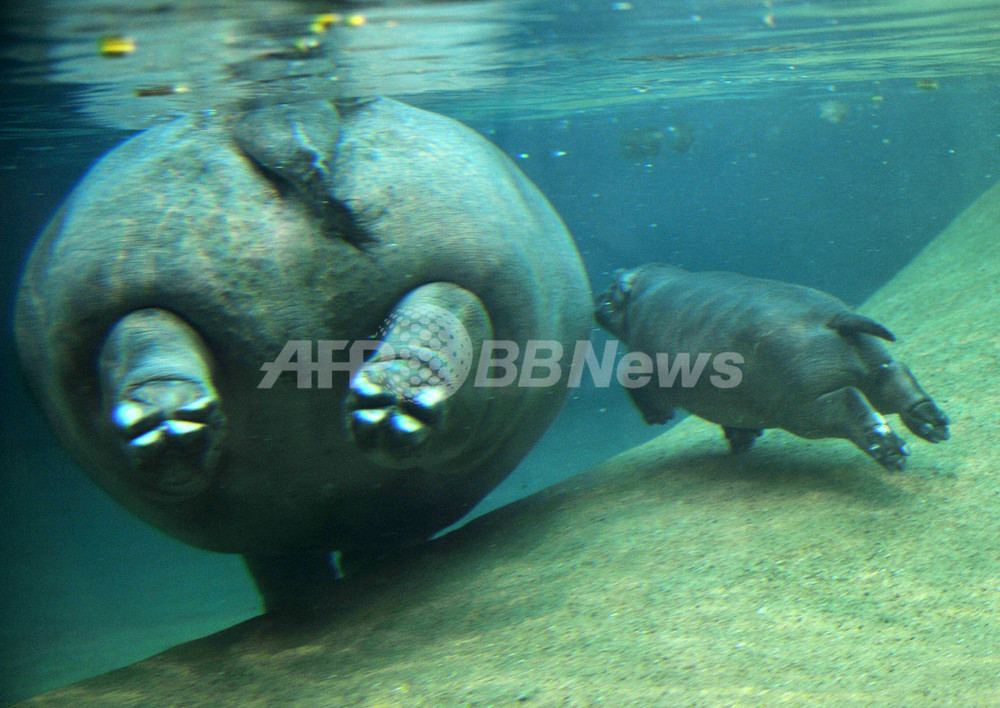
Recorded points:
(786,356)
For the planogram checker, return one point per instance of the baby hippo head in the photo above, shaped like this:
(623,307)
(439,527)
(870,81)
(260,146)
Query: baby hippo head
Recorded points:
(611,311)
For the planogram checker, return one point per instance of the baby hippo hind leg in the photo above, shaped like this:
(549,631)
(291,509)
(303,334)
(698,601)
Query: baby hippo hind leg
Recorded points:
(408,401)
(845,413)
(896,391)
(156,377)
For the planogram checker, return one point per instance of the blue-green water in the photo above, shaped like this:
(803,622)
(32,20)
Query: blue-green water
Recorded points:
(826,149)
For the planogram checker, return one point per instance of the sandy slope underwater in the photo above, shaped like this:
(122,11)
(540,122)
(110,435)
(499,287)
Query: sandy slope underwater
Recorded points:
(674,573)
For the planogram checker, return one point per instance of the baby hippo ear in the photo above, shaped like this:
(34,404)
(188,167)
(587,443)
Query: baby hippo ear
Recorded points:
(609,311)
(622,285)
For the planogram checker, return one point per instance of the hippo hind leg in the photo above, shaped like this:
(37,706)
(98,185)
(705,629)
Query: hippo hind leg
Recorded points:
(845,413)
(896,391)
(407,403)
(158,393)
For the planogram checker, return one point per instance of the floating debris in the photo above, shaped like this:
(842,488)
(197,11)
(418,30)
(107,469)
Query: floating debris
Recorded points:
(645,142)
(323,22)
(640,143)
(833,111)
(681,136)
(160,91)
(927,84)
(307,45)
(301,48)
(115,46)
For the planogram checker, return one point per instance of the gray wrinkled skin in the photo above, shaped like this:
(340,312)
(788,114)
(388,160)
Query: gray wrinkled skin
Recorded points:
(810,365)
(191,254)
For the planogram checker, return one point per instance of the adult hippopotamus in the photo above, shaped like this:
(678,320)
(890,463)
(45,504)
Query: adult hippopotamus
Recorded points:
(188,321)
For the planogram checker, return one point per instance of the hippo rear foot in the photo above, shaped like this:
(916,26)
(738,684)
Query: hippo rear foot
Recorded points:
(390,412)
(895,390)
(161,402)
(402,398)
(928,421)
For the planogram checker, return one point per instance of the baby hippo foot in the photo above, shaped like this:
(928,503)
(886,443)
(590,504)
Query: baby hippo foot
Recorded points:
(162,404)
(393,408)
(928,421)
(885,447)
(846,413)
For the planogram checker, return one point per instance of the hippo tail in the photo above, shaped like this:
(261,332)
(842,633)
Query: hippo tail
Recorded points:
(850,323)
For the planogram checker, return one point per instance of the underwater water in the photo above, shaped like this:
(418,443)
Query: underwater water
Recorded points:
(824,143)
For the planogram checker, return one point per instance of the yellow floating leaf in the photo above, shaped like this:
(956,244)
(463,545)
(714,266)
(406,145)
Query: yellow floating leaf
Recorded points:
(115,46)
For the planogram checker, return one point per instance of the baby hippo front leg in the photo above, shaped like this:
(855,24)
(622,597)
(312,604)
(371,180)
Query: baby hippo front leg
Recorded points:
(846,414)
(407,401)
